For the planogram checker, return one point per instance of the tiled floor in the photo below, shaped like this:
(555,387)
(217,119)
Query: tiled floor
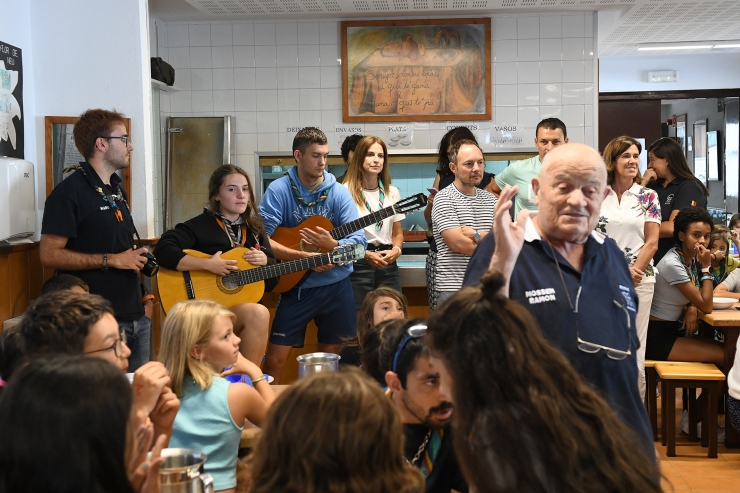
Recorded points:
(691,470)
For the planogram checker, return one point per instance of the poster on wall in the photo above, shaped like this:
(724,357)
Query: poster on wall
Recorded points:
(11,101)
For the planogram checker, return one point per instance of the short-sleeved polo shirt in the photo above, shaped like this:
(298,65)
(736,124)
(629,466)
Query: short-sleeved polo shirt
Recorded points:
(521,173)
(668,300)
(675,196)
(75,210)
(605,279)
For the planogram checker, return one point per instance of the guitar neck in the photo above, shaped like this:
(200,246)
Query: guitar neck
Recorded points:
(249,276)
(341,231)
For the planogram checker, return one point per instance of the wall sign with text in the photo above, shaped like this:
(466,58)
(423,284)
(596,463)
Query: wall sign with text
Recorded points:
(11,101)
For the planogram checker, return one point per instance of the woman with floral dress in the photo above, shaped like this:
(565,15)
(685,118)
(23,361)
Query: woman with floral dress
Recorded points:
(630,215)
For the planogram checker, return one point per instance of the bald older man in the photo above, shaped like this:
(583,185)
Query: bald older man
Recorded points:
(572,279)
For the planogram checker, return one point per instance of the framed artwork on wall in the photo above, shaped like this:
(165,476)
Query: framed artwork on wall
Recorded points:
(681,132)
(62,153)
(416,70)
(700,150)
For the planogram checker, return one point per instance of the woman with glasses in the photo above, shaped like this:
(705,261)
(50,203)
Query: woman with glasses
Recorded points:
(684,279)
(368,180)
(231,220)
(677,187)
(630,215)
(521,408)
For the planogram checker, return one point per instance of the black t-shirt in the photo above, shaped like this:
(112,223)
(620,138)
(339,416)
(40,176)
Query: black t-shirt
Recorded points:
(446,474)
(675,196)
(75,210)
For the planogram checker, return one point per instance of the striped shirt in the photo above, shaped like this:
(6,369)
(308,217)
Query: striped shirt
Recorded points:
(454,209)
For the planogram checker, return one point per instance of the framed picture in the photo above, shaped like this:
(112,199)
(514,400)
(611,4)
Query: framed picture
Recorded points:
(700,150)
(714,156)
(681,132)
(62,153)
(416,70)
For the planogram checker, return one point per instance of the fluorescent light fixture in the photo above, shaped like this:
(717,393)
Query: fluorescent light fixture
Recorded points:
(689,45)
(673,46)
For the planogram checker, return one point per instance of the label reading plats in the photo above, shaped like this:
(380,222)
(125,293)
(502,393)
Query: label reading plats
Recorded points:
(392,129)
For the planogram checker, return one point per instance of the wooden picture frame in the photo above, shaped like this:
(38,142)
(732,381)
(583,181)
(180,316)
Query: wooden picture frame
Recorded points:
(60,147)
(416,70)
(681,133)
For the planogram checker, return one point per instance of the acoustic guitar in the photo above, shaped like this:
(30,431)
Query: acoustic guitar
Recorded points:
(291,238)
(246,285)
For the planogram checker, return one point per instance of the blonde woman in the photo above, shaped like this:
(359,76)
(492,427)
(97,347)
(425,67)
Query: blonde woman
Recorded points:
(368,180)
(198,342)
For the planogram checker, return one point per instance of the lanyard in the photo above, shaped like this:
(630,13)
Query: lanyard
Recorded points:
(691,269)
(379,224)
(301,200)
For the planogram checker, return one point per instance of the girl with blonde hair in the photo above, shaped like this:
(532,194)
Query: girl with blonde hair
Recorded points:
(368,180)
(198,342)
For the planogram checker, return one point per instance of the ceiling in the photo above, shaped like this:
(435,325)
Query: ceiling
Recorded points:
(623,24)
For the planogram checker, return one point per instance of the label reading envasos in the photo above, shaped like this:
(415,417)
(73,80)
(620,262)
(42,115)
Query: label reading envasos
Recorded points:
(349,129)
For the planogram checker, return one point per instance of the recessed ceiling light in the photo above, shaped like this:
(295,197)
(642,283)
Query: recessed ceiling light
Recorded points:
(731,45)
(671,46)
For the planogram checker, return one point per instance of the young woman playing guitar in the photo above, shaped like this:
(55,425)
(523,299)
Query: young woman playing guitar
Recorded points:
(368,179)
(231,220)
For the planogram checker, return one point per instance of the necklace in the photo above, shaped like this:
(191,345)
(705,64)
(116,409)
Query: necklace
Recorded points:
(421,450)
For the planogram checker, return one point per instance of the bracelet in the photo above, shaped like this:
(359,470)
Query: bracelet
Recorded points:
(258,379)
(705,270)
(706,278)
(399,249)
(105,261)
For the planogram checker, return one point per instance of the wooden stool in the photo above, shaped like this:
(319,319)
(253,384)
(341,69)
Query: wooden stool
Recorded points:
(689,376)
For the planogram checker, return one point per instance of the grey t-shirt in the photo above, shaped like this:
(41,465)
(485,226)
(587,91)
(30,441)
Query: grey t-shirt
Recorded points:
(668,301)
(732,282)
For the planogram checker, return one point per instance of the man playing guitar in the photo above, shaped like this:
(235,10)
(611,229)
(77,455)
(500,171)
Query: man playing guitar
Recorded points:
(325,294)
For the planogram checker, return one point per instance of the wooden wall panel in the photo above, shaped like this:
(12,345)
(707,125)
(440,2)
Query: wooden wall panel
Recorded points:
(636,118)
(19,282)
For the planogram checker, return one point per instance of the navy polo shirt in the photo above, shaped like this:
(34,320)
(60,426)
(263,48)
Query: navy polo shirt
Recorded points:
(674,196)
(75,210)
(536,284)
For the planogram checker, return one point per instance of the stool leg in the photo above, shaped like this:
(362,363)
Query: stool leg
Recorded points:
(693,418)
(711,420)
(651,400)
(669,416)
(704,409)
(663,405)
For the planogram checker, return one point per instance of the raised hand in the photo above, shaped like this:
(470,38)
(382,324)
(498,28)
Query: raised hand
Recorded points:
(703,255)
(509,235)
(149,381)
(320,238)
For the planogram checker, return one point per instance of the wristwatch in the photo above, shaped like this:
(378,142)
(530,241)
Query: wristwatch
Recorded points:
(105,261)
(476,236)
(705,270)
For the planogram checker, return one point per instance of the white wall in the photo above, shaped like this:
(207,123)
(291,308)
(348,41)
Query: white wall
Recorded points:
(95,54)
(701,71)
(15,29)
(272,75)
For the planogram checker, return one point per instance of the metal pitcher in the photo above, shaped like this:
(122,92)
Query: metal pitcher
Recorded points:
(181,472)
(311,363)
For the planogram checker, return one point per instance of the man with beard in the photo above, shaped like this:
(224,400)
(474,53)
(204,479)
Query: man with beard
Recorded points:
(414,387)
(462,215)
(88,231)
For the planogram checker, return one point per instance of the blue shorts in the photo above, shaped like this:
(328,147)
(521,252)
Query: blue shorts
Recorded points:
(332,307)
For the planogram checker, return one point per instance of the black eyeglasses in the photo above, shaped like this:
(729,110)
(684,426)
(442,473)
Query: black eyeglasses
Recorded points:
(124,138)
(593,348)
(117,346)
(413,332)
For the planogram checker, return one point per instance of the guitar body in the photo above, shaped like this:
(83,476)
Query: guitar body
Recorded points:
(208,286)
(290,237)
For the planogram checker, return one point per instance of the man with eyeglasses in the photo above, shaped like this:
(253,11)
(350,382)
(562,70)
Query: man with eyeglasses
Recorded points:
(572,279)
(462,215)
(88,231)
(414,387)
(73,323)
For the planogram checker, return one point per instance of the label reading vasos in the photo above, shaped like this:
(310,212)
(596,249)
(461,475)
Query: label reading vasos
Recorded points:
(503,135)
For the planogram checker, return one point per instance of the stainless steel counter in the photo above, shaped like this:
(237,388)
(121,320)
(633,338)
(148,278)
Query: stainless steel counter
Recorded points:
(413,270)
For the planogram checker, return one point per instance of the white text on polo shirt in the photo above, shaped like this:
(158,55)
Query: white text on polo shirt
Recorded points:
(540,295)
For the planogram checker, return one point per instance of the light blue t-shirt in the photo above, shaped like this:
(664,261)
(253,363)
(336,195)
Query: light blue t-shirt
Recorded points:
(521,173)
(204,423)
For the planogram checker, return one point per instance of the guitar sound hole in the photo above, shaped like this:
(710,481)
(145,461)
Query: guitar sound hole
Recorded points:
(228,284)
(305,247)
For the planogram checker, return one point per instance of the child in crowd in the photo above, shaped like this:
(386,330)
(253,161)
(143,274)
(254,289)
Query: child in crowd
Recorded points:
(722,262)
(735,234)
(333,432)
(379,305)
(198,342)
(65,281)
